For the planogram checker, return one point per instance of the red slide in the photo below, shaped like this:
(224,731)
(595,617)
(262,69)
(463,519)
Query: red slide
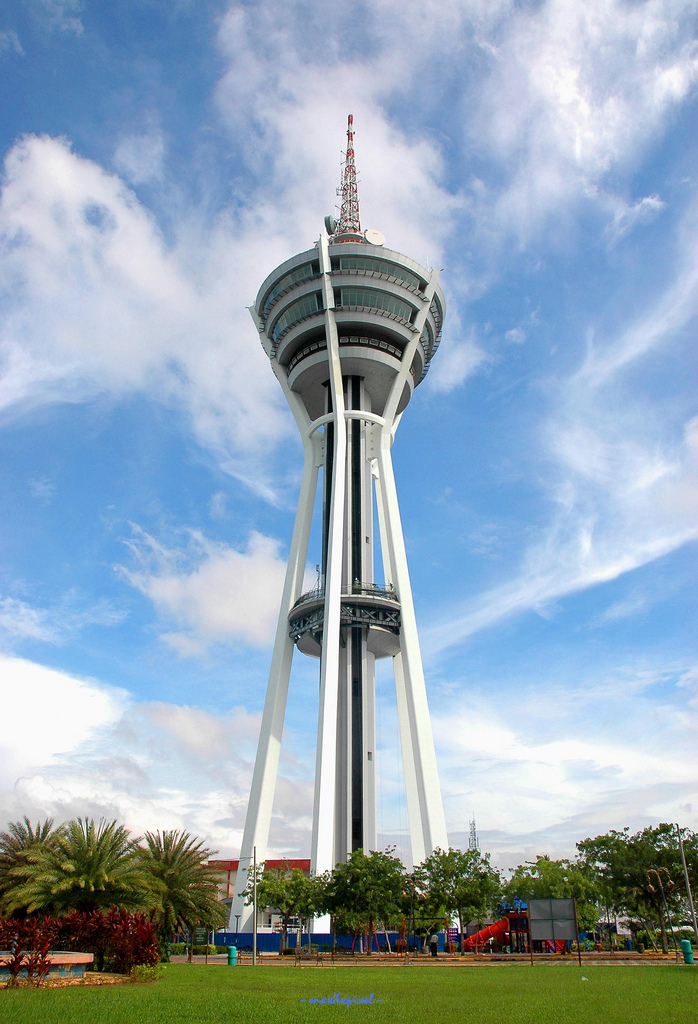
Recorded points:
(494,931)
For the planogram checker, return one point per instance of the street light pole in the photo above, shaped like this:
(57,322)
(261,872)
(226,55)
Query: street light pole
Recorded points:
(254,906)
(688,885)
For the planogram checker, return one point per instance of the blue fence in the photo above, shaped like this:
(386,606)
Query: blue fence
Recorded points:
(269,942)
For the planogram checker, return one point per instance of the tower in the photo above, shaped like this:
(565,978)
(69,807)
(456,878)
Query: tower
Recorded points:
(350,328)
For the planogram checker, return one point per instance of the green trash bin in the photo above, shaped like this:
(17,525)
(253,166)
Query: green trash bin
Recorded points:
(232,956)
(687,951)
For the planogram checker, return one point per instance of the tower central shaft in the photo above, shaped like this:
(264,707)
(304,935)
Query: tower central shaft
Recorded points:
(355,825)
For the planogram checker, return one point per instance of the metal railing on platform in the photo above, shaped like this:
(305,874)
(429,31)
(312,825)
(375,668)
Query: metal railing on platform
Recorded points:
(384,590)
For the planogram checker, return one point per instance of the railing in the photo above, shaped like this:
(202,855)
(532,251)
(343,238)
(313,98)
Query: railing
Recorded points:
(377,311)
(321,345)
(385,590)
(360,272)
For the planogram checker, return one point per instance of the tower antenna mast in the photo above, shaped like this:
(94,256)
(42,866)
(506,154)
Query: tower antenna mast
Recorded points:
(349,221)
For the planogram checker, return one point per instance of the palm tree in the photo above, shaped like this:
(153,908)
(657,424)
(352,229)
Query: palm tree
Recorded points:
(188,888)
(20,839)
(87,866)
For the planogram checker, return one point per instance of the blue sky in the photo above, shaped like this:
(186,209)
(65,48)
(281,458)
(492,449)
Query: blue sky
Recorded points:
(159,161)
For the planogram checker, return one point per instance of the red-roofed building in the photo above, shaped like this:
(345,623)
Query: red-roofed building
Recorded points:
(228,869)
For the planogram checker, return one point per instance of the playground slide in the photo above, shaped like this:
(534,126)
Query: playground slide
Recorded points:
(494,931)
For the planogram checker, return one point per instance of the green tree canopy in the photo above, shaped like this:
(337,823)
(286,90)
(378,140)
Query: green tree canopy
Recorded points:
(16,843)
(545,878)
(463,883)
(287,891)
(85,866)
(630,868)
(366,890)
(175,863)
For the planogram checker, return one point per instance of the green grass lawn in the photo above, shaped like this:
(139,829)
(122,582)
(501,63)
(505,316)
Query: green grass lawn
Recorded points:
(508,994)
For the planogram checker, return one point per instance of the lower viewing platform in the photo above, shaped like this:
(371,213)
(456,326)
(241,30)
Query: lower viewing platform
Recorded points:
(371,605)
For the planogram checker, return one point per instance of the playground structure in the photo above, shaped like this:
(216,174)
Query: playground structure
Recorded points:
(499,932)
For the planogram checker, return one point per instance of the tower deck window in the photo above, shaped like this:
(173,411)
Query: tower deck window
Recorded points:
(295,277)
(296,312)
(373,299)
(380,267)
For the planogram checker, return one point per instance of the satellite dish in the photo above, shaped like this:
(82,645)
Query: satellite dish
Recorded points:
(330,224)
(374,237)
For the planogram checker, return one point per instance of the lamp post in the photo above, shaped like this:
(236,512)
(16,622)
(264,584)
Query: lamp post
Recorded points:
(254,906)
(411,905)
(688,885)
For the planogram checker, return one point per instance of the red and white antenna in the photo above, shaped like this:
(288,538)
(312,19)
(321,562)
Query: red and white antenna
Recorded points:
(348,227)
(349,221)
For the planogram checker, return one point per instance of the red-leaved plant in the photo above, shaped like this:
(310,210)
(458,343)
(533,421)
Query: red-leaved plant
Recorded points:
(119,941)
(28,943)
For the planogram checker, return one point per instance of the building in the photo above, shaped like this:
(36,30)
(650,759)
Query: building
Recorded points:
(267,919)
(350,328)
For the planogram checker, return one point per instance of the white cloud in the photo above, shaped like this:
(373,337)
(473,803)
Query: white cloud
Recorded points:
(75,747)
(140,157)
(42,488)
(60,15)
(620,471)
(659,324)
(9,40)
(563,761)
(516,336)
(457,360)
(291,96)
(47,713)
(214,591)
(56,624)
(20,621)
(97,302)
(619,506)
(628,216)
(575,92)
(218,505)
(635,604)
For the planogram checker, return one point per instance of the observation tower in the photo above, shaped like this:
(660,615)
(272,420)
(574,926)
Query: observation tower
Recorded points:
(350,328)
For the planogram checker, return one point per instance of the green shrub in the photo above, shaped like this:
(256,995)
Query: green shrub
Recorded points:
(178,948)
(144,972)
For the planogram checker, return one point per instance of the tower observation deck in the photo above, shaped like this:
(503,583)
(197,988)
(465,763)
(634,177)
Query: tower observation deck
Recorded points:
(350,328)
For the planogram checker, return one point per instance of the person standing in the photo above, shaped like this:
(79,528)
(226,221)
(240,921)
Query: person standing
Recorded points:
(434,944)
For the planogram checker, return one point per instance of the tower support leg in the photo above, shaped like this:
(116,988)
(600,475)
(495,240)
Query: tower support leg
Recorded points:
(266,766)
(415,713)
(322,854)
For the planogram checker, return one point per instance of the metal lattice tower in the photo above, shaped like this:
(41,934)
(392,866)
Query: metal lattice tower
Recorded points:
(473,841)
(350,328)
(349,223)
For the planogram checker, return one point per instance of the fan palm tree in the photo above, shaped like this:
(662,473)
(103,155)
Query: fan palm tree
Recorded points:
(88,866)
(188,888)
(20,839)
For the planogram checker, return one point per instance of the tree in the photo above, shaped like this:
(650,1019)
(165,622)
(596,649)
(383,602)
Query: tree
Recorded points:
(462,882)
(287,891)
(20,839)
(545,878)
(634,869)
(86,866)
(187,888)
(367,889)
